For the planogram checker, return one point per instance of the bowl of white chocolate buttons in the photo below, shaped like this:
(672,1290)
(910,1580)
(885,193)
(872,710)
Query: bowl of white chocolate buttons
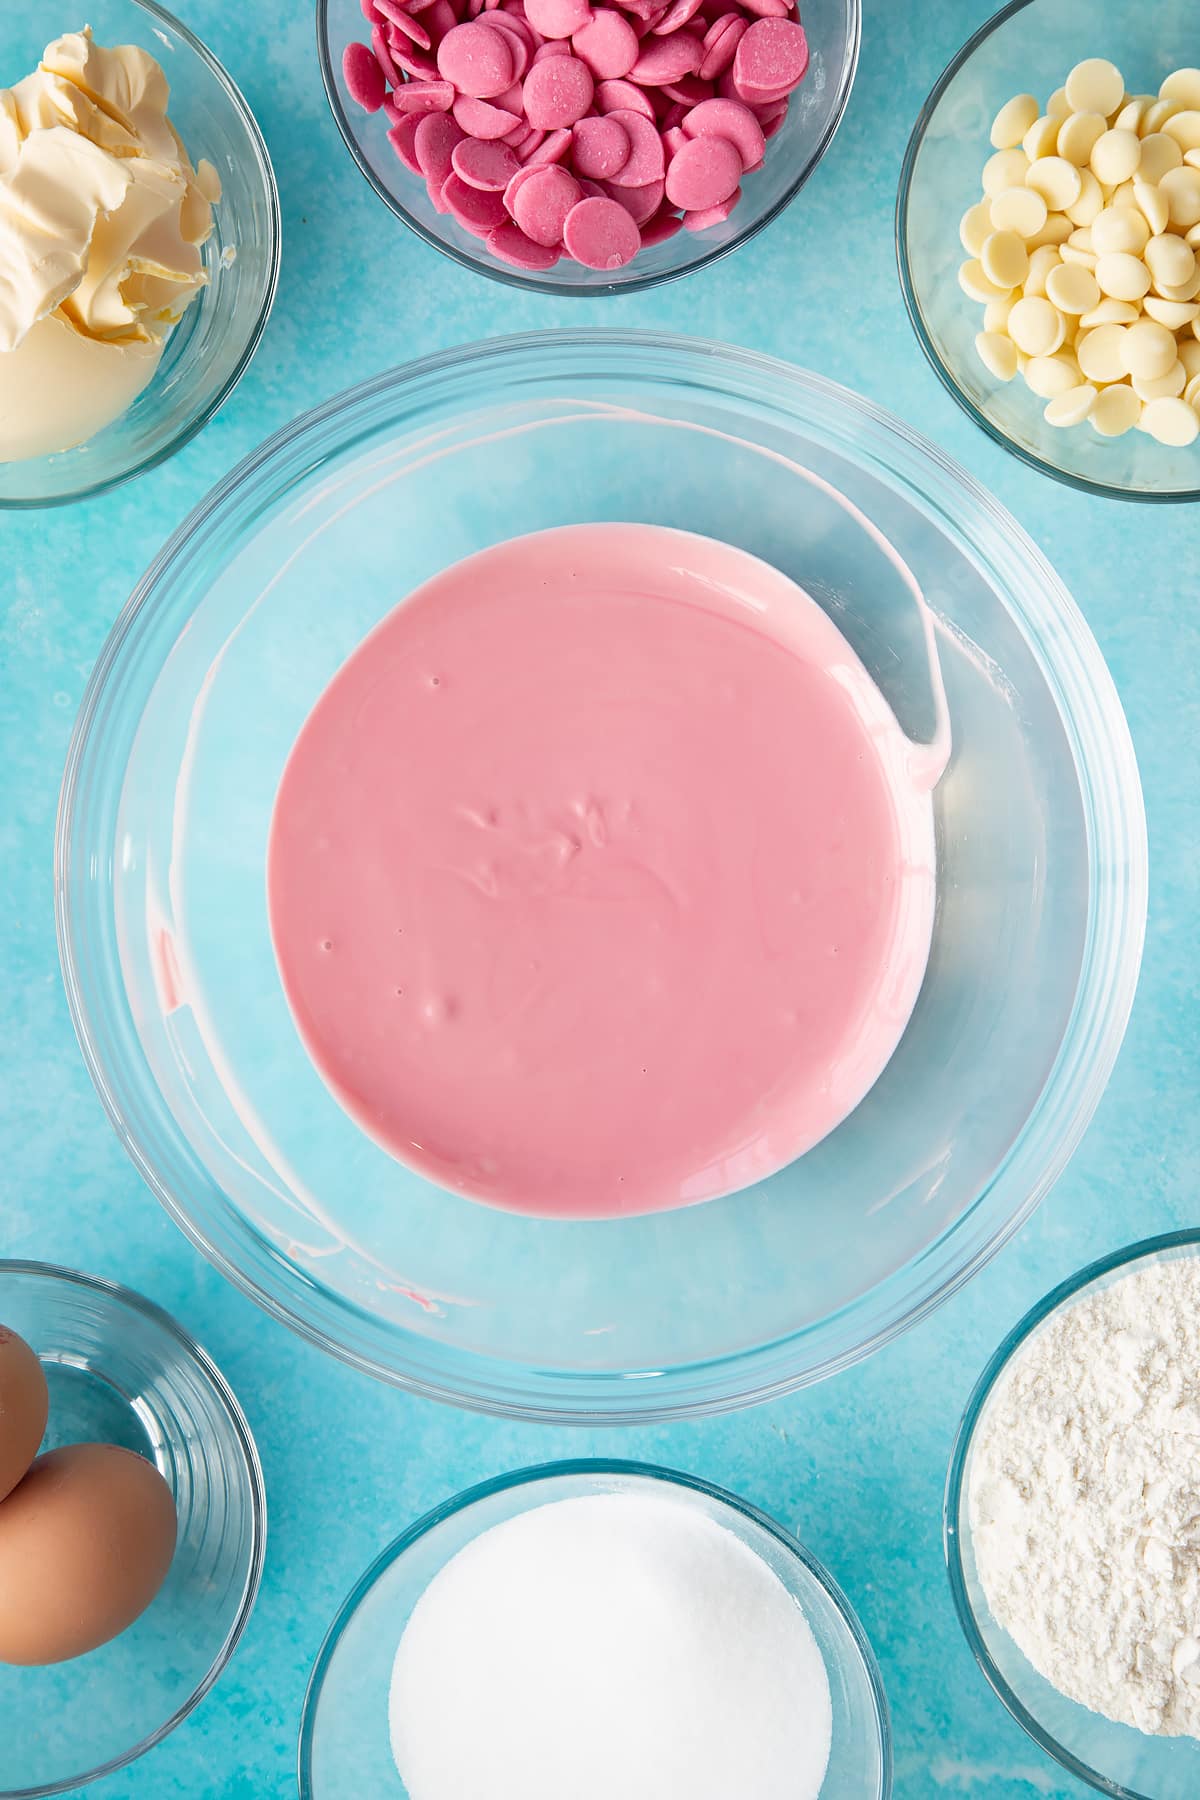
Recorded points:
(1048,231)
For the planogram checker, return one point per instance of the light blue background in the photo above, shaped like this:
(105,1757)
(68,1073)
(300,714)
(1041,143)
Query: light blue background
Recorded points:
(855,1466)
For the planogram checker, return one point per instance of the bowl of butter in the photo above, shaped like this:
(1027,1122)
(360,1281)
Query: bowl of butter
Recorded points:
(139,246)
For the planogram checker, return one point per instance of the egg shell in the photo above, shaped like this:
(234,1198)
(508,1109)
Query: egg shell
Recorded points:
(86,1540)
(24,1405)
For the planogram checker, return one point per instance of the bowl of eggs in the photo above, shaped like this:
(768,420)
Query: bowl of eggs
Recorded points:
(1062,312)
(132,1527)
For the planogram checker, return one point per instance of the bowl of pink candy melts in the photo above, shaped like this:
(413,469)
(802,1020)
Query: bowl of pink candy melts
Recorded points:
(588,146)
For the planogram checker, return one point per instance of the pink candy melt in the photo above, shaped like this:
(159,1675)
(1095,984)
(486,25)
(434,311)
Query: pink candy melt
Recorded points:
(625,95)
(598,879)
(363,77)
(542,200)
(600,234)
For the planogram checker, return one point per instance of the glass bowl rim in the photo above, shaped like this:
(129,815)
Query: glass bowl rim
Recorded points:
(116,1294)
(571,290)
(1084,484)
(105,484)
(1070,661)
(589,1469)
(1058,1299)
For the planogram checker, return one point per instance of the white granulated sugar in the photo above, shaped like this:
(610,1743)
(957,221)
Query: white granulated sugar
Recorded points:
(612,1645)
(1084,1500)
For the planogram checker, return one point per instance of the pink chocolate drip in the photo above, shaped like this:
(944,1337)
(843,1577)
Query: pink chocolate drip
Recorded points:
(599,879)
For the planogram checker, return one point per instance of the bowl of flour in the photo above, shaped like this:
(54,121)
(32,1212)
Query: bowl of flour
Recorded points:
(1072,1524)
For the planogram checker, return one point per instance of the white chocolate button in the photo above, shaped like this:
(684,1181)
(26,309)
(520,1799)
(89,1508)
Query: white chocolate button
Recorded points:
(1115,411)
(1110,312)
(1182,86)
(1119,230)
(1007,168)
(1101,353)
(1054,178)
(1076,135)
(975,227)
(1191,393)
(1042,138)
(1181,189)
(1174,314)
(1158,154)
(1040,264)
(1123,277)
(1047,376)
(1187,291)
(1149,349)
(1157,114)
(1152,204)
(997,353)
(1072,288)
(1171,421)
(1004,259)
(1130,115)
(1056,230)
(1169,260)
(1036,327)
(973,282)
(1192,237)
(1192,158)
(1071,408)
(1115,157)
(1184,127)
(1161,387)
(1090,201)
(1095,86)
(1058,106)
(1013,121)
(1017,209)
(1075,253)
(1189,356)
(995,315)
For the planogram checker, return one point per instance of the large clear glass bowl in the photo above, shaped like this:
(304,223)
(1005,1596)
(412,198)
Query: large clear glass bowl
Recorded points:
(834,29)
(173,985)
(1030,47)
(1114,1759)
(345,1748)
(120,1371)
(211,347)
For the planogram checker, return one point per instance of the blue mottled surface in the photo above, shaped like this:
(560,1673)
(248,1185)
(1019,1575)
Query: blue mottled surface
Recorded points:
(857,1465)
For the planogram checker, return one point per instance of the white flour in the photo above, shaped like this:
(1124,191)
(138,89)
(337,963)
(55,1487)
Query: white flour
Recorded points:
(1084,1498)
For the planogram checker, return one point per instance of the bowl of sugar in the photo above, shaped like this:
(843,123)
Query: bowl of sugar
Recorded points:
(595,1628)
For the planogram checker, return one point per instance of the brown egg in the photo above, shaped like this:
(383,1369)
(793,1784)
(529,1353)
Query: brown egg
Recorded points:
(86,1540)
(24,1404)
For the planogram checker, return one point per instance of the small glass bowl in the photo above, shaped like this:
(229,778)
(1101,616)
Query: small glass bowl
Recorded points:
(120,1371)
(345,1748)
(210,349)
(834,29)
(1029,46)
(1114,1759)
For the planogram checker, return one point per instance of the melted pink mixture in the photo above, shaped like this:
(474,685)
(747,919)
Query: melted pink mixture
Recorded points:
(598,879)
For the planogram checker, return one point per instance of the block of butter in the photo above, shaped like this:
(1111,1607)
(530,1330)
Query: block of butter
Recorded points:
(102,216)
